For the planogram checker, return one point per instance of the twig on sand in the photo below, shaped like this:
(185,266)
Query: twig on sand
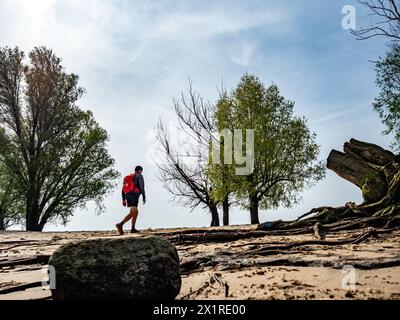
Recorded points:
(214,278)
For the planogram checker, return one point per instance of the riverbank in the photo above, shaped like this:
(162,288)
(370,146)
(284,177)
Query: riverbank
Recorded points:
(234,269)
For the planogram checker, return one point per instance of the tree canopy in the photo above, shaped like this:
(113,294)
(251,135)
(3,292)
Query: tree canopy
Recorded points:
(273,154)
(55,152)
(387,104)
(285,151)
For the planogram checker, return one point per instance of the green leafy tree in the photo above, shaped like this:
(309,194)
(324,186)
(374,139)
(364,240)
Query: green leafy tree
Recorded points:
(11,207)
(222,175)
(285,151)
(54,152)
(387,104)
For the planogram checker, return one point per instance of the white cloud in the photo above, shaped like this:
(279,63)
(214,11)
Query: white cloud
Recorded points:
(244,54)
(206,24)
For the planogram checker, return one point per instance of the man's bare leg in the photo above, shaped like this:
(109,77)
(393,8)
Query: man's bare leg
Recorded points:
(129,216)
(135,213)
(126,219)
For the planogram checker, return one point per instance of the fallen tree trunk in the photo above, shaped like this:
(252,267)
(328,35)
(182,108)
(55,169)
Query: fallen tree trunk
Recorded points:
(368,166)
(376,172)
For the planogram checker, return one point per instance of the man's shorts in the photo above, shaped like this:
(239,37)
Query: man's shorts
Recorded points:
(132,199)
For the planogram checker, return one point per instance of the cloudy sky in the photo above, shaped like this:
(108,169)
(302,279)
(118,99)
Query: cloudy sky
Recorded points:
(133,57)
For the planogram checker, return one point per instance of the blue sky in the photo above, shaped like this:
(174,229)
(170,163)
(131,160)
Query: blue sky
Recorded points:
(133,57)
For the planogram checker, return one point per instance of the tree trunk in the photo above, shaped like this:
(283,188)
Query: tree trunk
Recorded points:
(214,215)
(32,224)
(254,209)
(225,209)
(32,216)
(368,166)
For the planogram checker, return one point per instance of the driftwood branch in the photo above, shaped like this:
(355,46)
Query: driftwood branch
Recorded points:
(21,287)
(10,262)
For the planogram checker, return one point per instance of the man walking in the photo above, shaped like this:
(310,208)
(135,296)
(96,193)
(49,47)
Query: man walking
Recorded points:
(132,188)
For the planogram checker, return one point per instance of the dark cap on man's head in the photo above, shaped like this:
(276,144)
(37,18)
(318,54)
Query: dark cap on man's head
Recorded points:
(138,168)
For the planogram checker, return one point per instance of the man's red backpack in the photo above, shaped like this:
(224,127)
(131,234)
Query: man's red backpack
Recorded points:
(129,184)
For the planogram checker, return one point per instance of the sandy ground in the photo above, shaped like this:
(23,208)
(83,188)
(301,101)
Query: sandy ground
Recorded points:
(331,272)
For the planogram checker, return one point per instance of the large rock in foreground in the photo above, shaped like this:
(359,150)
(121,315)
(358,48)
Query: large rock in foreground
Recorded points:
(129,268)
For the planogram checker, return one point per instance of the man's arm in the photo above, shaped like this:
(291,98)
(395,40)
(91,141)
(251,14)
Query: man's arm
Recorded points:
(123,198)
(141,187)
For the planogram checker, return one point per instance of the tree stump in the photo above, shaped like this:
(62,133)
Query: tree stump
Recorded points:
(368,166)
(376,172)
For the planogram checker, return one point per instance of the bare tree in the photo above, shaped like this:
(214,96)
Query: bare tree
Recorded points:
(184,165)
(387,20)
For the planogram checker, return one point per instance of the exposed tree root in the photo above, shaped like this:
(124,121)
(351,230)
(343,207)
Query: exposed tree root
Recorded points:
(21,287)
(254,254)
(369,264)
(197,264)
(371,232)
(250,261)
(200,231)
(40,259)
(317,231)
(212,236)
